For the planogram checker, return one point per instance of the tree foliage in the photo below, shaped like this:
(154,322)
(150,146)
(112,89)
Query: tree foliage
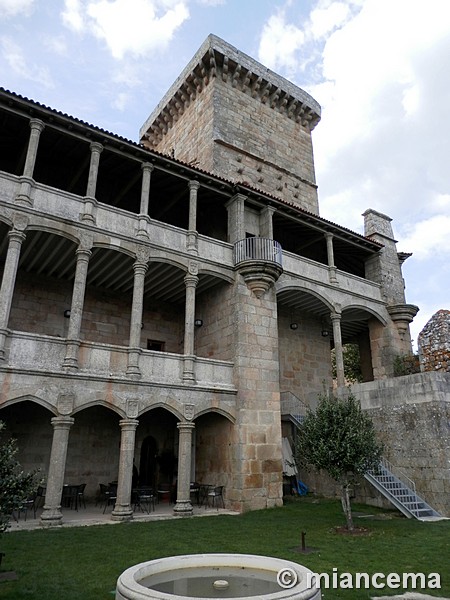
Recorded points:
(339,438)
(15,485)
(352,363)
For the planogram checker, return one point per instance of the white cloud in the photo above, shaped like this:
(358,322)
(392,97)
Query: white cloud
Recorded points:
(11,8)
(279,43)
(429,237)
(325,19)
(72,15)
(56,45)
(120,101)
(132,27)
(21,66)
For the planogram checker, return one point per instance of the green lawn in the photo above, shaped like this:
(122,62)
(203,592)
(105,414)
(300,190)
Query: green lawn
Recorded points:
(83,563)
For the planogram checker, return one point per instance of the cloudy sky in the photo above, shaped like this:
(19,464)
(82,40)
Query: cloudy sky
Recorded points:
(379,68)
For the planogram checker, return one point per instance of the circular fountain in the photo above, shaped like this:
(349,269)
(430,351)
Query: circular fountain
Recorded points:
(198,576)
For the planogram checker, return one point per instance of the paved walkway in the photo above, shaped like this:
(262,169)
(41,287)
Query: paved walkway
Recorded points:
(93,515)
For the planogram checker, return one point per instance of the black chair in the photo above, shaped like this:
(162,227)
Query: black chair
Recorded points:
(215,496)
(195,491)
(81,498)
(108,495)
(144,499)
(69,497)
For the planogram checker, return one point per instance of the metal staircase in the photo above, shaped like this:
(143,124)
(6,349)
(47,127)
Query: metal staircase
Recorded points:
(400,491)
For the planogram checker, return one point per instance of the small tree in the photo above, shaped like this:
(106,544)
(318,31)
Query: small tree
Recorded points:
(340,439)
(15,485)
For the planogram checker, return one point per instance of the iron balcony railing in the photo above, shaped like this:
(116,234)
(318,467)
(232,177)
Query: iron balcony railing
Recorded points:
(257,248)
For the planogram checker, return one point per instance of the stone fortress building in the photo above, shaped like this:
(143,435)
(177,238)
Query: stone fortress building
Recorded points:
(163,302)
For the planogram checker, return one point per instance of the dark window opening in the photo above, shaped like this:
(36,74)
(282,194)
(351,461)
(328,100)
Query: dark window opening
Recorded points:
(155,345)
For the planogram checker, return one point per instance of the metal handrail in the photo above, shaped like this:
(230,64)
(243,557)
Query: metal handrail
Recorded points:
(402,477)
(257,248)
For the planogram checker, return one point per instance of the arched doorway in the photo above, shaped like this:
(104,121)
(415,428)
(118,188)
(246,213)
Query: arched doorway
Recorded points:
(148,462)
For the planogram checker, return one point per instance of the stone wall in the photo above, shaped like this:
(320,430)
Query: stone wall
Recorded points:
(215,338)
(234,135)
(190,139)
(39,304)
(305,357)
(434,343)
(411,415)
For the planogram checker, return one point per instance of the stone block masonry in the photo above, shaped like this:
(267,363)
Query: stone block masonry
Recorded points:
(434,343)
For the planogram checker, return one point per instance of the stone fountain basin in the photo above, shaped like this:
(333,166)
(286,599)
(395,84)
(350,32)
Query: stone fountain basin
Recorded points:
(178,578)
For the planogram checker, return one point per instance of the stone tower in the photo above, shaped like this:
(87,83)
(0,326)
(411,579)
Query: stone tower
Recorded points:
(237,119)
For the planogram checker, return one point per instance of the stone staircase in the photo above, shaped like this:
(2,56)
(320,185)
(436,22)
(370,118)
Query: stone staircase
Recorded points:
(400,491)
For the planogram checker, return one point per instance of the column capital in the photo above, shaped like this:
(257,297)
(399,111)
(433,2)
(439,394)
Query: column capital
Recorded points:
(16,235)
(191,280)
(96,147)
(193,184)
(83,253)
(128,424)
(328,236)
(335,316)
(37,125)
(185,425)
(62,422)
(146,166)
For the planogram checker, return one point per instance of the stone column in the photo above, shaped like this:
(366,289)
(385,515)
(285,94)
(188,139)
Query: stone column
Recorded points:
(266,222)
(183,506)
(89,200)
(76,309)
(190,280)
(236,218)
(337,336)
(26,181)
(330,254)
(134,345)
(144,219)
(52,514)
(192,235)
(16,238)
(122,509)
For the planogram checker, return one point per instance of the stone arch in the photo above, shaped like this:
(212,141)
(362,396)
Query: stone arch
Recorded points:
(158,421)
(93,452)
(28,420)
(216,409)
(213,450)
(120,412)
(30,398)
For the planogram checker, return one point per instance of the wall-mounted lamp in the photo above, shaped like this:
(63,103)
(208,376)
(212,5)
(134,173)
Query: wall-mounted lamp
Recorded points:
(67,313)
(325,328)
(293,326)
(198,322)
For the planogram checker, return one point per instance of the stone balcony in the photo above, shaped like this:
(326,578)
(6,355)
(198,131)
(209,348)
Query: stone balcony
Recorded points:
(259,261)
(43,353)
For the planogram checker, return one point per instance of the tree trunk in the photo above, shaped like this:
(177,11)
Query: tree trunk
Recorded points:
(346,505)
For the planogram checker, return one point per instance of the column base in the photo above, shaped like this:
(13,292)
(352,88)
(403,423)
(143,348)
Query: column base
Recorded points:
(122,513)
(51,517)
(183,509)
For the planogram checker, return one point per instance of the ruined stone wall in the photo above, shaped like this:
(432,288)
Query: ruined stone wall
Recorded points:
(434,343)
